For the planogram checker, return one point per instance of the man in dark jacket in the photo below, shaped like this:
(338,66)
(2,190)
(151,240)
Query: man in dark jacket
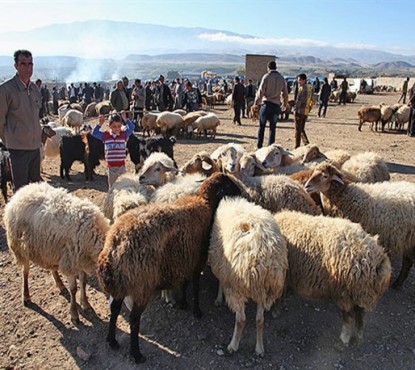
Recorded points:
(238,100)
(165,100)
(119,100)
(324,97)
(192,99)
(411,123)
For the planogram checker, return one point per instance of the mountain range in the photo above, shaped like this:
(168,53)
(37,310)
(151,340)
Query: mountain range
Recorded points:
(105,50)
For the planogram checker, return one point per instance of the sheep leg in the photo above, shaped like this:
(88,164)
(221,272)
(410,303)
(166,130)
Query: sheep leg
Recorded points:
(115,311)
(84,299)
(135,317)
(25,283)
(406,266)
(197,312)
(359,324)
(219,297)
(182,302)
(58,281)
(240,321)
(72,291)
(347,329)
(259,347)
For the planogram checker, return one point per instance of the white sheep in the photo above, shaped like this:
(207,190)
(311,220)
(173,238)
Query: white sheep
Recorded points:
(90,110)
(148,123)
(249,165)
(401,117)
(366,167)
(57,231)
(332,258)
(227,157)
(386,209)
(277,192)
(157,169)
(206,123)
(74,119)
(169,121)
(126,193)
(103,107)
(249,257)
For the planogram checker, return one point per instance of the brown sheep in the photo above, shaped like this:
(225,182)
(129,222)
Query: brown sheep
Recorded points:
(154,248)
(369,114)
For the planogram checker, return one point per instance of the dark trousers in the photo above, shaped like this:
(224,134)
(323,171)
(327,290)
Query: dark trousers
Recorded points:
(237,110)
(243,108)
(268,112)
(411,123)
(25,167)
(323,104)
(300,120)
(343,97)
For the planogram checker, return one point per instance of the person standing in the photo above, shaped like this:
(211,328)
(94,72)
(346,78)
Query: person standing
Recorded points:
(272,86)
(55,100)
(138,95)
(303,106)
(165,100)
(238,100)
(404,91)
(20,131)
(411,103)
(324,97)
(119,100)
(333,84)
(344,86)
(192,99)
(316,85)
(249,96)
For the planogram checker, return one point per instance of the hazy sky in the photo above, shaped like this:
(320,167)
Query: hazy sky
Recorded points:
(376,24)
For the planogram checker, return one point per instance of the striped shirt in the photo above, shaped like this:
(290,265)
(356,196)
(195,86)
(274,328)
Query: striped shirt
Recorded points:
(114,145)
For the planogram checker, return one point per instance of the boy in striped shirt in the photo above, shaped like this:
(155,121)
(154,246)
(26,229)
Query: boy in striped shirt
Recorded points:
(114,141)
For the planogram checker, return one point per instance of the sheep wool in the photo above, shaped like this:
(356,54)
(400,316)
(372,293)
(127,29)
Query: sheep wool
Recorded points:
(249,257)
(57,231)
(333,258)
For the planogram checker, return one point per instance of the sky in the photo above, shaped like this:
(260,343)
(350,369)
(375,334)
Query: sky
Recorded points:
(365,24)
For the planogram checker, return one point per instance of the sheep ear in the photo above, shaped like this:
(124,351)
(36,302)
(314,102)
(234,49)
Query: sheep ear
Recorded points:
(338,179)
(171,169)
(286,152)
(206,166)
(260,166)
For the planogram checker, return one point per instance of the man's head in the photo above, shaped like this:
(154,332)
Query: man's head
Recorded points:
(137,82)
(272,66)
(120,85)
(115,123)
(189,85)
(125,81)
(38,83)
(23,62)
(302,79)
(161,78)
(237,79)
(250,81)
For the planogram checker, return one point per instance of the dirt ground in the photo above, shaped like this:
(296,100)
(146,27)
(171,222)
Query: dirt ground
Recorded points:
(302,337)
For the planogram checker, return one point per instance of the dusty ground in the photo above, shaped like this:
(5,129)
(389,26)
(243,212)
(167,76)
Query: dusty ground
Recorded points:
(43,337)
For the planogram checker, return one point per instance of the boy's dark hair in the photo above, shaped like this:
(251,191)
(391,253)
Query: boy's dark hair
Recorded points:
(302,76)
(25,53)
(115,117)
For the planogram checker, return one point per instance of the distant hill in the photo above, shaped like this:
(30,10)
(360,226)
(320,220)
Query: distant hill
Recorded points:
(388,66)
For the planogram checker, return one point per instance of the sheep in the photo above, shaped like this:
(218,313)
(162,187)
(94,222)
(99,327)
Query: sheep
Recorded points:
(148,123)
(190,118)
(74,119)
(386,209)
(126,193)
(182,112)
(168,121)
(227,157)
(274,156)
(206,123)
(200,163)
(249,165)
(154,248)
(6,179)
(369,114)
(156,169)
(249,257)
(57,231)
(332,258)
(401,117)
(103,107)
(177,188)
(276,192)
(51,147)
(90,110)
(366,167)
(313,156)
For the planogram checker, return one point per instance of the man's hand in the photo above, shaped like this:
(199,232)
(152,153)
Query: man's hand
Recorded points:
(124,115)
(101,120)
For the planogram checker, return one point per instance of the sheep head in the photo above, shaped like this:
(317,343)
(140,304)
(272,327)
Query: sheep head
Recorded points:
(322,178)
(311,153)
(156,168)
(229,160)
(249,163)
(271,156)
(200,163)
